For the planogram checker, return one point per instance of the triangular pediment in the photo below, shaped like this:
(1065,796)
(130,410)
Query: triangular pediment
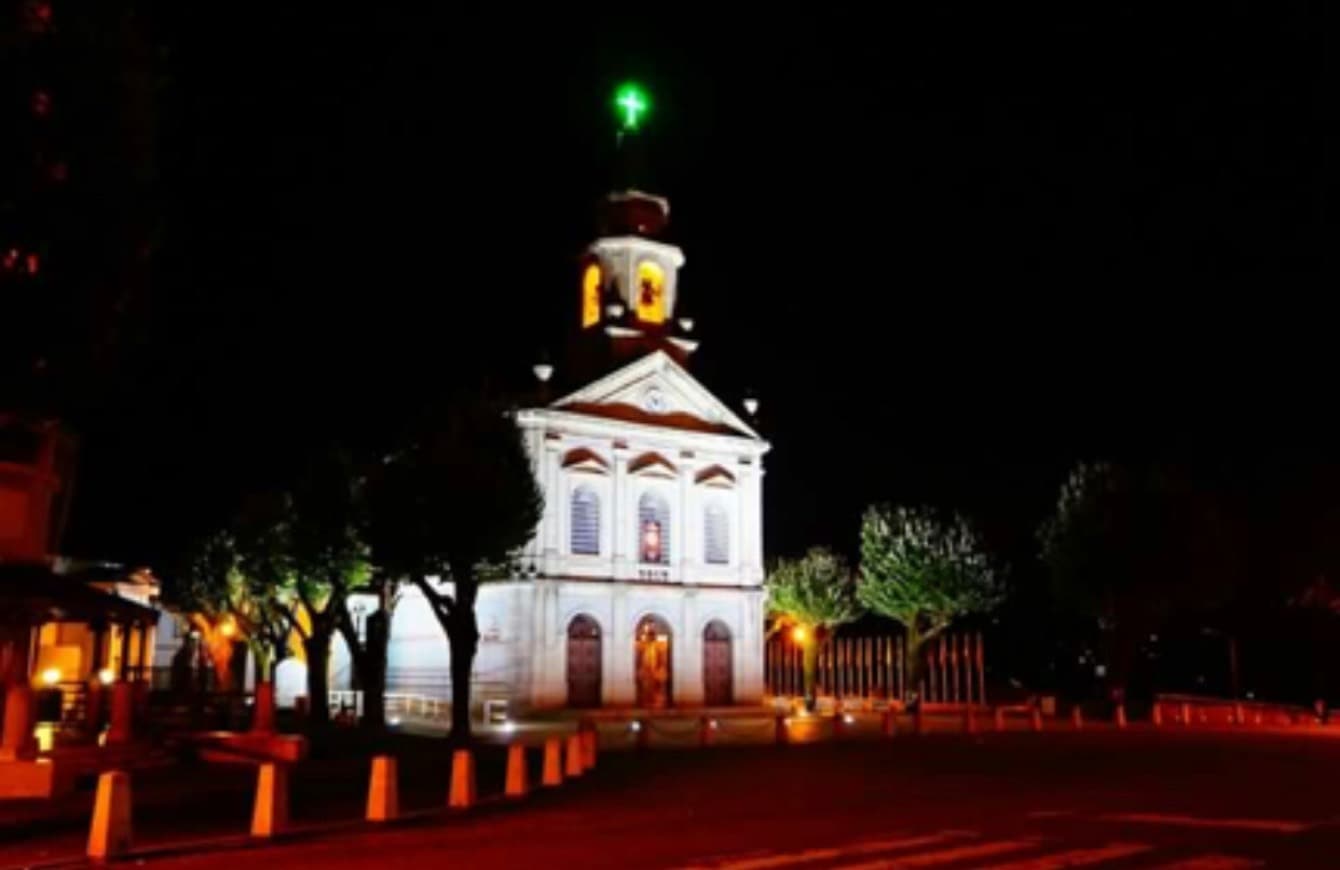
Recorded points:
(656,390)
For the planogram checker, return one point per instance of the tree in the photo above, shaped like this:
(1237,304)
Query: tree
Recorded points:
(228,603)
(1129,544)
(811,595)
(328,557)
(923,573)
(453,503)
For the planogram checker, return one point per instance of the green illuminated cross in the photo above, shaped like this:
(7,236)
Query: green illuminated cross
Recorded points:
(634,104)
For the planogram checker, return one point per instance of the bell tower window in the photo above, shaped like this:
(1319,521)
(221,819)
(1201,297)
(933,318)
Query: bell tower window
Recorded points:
(591,281)
(650,292)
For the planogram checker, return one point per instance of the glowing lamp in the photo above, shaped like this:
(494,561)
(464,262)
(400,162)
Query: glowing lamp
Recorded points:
(798,634)
(51,676)
(228,628)
(751,405)
(543,372)
(106,676)
(614,310)
(632,103)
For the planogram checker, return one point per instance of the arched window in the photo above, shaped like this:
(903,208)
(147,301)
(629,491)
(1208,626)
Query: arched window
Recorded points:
(653,529)
(585,535)
(650,292)
(716,535)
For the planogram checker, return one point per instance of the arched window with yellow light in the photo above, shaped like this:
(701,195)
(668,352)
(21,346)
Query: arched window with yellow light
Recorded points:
(650,292)
(591,281)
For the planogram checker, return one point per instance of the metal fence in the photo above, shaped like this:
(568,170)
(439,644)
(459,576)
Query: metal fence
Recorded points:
(953,668)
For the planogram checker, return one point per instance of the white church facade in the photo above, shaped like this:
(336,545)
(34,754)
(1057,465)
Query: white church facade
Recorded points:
(642,586)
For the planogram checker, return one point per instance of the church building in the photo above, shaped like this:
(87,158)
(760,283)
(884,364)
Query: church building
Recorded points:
(642,586)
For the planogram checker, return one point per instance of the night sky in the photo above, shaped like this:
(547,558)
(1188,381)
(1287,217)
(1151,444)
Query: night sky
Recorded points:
(952,254)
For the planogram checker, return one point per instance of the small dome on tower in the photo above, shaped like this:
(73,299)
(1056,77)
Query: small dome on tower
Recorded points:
(633,213)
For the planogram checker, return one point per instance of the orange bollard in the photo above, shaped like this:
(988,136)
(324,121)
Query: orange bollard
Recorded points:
(269,815)
(779,729)
(552,774)
(1121,715)
(704,731)
(888,725)
(643,730)
(383,790)
(1077,717)
(572,767)
(969,722)
(919,721)
(1186,715)
(1156,715)
(590,745)
(516,772)
(999,716)
(463,791)
(109,834)
(122,728)
(1239,716)
(16,739)
(1036,718)
(838,724)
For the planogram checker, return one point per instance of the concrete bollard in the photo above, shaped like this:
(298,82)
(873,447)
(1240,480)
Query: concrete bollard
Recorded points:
(263,709)
(969,722)
(16,739)
(1156,715)
(122,728)
(1036,718)
(463,792)
(999,716)
(590,747)
(779,729)
(888,726)
(109,834)
(383,790)
(516,786)
(1121,716)
(572,767)
(1077,717)
(269,814)
(552,775)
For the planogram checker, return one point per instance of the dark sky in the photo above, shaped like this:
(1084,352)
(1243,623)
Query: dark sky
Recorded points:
(952,253)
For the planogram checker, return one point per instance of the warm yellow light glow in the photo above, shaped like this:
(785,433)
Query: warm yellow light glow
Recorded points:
(591,295)
(51,676)
(45,735)
(106,676)
(228,628)
(650,292)
(798,634)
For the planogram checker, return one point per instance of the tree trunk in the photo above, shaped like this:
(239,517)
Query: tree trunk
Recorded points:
(809,650)
(463,638)
(318,676)
(371,665)
(912,667)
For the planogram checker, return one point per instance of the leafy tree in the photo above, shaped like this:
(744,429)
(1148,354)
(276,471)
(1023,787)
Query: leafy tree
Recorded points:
(1130,544)
(229,603)
(811,595)
(454,500)
(923,573)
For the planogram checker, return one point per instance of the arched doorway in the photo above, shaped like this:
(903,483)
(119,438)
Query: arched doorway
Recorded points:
(651,663)
(583,662)
(717,688)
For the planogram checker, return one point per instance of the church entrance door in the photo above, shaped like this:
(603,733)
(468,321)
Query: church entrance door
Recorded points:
(651,663)
(583,662)
(716,665)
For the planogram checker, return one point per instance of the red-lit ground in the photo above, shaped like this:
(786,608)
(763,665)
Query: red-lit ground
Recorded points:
(1098,798)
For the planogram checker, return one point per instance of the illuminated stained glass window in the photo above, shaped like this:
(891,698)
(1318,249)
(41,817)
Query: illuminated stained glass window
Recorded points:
(591,295)
(650,292)
(653,523)
(716,535)
(585,535)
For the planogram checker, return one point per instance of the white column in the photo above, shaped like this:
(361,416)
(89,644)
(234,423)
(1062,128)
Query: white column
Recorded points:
(553,505)
(683,552)
(688,652)
(621,505)
(618,686)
